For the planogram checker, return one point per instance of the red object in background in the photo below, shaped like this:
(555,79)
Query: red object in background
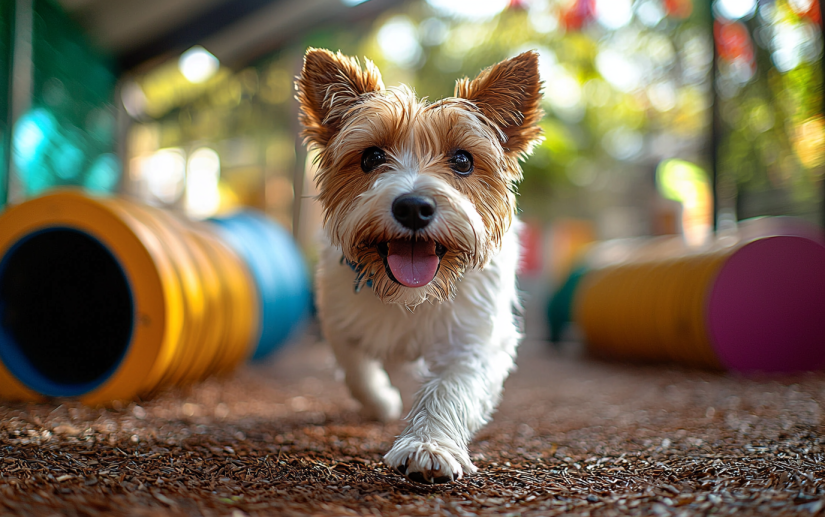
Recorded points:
(812,13)
(517,4)
(678,8)
(530,238)
(568,241)
(577,13)
(733,42)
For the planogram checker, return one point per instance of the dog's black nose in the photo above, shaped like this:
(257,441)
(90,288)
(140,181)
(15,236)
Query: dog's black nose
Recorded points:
(413,212)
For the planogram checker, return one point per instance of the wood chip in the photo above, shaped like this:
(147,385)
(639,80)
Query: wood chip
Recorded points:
(571,437)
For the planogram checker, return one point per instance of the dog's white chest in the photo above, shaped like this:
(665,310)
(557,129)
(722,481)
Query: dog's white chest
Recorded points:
(385,331)
(482,310)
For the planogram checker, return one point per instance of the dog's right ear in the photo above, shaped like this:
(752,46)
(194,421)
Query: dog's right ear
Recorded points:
(329,85)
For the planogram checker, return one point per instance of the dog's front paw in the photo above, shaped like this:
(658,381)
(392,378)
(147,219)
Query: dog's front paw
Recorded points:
(429,462)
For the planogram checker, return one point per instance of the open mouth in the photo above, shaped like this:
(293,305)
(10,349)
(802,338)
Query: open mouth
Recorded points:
(411,262)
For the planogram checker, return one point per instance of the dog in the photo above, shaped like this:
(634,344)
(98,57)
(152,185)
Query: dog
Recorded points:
(421,244)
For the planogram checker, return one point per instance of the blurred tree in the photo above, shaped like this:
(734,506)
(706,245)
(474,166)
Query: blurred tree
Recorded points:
(627,85)
(622,88)
(770,92)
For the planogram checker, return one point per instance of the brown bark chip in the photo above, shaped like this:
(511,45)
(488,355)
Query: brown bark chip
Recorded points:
(572,437)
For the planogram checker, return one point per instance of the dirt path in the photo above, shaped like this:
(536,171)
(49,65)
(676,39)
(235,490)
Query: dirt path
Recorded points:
(573,437)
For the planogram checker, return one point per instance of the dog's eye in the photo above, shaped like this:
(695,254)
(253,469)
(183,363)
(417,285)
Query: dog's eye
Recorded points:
(462,163)
(372,158)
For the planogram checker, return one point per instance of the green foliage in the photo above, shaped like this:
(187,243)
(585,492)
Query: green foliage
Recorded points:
(67,136)
(771,145)
(582,108)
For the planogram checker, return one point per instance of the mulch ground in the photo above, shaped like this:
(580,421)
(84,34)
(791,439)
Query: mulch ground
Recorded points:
(573,436)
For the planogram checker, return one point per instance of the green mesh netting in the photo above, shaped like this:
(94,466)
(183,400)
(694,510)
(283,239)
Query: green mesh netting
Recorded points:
(67,136)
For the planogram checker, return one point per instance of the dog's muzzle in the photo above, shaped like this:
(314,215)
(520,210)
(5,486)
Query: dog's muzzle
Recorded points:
(412,261)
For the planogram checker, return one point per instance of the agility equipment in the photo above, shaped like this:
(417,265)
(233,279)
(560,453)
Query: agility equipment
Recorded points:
(279,273)
(750,302)
(105,299)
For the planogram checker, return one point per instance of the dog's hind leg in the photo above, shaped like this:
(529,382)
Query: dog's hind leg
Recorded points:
(368,382)
(456,401)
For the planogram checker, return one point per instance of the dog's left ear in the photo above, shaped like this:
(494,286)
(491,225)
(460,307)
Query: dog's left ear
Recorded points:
(329,85)
(509,93)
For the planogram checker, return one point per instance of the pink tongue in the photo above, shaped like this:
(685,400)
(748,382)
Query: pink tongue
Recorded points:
(413,263)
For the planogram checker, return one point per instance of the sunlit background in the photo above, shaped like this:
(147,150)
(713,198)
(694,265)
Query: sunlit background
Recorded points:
(662,116)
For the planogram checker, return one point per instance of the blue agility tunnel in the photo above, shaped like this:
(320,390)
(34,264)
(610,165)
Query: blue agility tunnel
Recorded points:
(279,271)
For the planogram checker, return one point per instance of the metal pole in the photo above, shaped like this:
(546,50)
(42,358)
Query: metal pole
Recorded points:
(22,71)
(5,151)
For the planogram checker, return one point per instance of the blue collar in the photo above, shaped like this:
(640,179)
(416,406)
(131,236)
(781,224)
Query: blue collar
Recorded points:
(359,276)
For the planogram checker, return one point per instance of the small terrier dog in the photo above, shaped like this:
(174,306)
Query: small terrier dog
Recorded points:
(421,243)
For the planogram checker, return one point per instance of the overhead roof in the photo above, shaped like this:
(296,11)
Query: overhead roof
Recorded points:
(142,32)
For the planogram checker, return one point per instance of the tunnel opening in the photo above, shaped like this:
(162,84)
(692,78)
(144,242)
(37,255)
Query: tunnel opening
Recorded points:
(66,312)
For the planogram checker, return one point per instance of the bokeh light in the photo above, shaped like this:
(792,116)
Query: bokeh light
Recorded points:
(165,173)
(469,9)
(735,9)
(614,14)
(623,143)
(31,135)
(197,64)
(649,12)
(809,142)
(543,16)
(398,40)
(104,173)
(133,98)
(564,94)
(433,31)
(687,183)
(794,43)
(67,159)
(203,172)
(620,71)
(662,95)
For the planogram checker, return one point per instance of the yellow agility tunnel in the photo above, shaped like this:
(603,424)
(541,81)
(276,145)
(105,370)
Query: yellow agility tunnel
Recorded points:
(105,299)
(751,301)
